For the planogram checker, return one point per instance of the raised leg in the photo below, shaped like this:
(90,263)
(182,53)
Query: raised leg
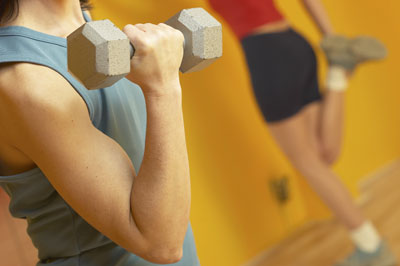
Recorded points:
(324,120)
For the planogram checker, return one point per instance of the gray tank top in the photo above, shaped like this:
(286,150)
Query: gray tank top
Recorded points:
(61,236)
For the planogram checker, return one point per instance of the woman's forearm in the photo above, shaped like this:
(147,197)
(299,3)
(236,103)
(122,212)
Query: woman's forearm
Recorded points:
(160,197)
(319,15)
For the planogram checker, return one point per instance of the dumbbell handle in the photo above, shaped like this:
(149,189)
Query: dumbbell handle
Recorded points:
(132,49)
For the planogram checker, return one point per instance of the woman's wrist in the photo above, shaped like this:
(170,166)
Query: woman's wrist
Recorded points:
(328,31)
(168,90)
(163,92)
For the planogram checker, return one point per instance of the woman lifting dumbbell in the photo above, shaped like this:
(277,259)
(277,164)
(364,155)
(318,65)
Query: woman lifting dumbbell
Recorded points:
(101,176)
(305,124)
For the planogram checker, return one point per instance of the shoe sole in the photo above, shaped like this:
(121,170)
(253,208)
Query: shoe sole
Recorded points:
(367,48)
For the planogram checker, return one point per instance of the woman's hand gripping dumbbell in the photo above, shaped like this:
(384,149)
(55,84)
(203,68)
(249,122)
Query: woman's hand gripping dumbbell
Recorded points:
(99,54)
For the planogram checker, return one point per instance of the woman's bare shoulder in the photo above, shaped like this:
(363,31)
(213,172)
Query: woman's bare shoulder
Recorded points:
(27,88)
(34,83)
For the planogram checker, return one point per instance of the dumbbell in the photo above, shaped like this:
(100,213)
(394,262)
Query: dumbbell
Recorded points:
(99,53)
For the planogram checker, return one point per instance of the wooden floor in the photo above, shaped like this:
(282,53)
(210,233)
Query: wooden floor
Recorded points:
(318,244)
(324,243)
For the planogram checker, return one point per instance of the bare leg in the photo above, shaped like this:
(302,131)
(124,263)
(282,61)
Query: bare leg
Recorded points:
(325,121)
(331,124)
(295,138)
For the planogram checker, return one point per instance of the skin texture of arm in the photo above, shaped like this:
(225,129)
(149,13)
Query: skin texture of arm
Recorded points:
(319,15)
(48,122)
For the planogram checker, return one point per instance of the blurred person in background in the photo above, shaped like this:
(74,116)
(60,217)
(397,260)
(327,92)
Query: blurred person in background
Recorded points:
(307,125)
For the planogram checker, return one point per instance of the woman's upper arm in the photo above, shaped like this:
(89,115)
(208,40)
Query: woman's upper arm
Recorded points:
(49,122)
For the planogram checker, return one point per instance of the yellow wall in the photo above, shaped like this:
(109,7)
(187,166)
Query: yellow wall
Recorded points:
(232,156)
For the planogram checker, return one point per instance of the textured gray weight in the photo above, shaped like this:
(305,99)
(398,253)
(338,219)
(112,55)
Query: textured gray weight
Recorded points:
(203,38)
(98,54)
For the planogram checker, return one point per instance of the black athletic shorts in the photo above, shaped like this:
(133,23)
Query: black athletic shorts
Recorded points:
(283,69)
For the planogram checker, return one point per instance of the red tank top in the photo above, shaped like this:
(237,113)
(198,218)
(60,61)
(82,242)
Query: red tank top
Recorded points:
(245,15)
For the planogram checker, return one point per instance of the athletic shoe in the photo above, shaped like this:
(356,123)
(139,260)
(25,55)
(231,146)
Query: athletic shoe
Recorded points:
(366,48)
(348,53)
(381,257)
